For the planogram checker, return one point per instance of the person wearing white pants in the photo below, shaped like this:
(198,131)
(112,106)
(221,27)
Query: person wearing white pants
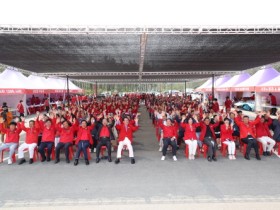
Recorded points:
(192,148)
(267,144)
(31,140)
(190,134)
(126,142)
(263,134)
(231,148)
(126,130)
(30,148)
(227,138)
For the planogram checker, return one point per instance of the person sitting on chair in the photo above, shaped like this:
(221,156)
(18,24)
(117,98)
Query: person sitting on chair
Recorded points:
(66,130)
(209,138)
(12,138)
(227,138)
(31,140)
(48,135)
(126,130)
(169,138)
(84,140)
(264,136)
(247,135)
(104,137)
(190,136)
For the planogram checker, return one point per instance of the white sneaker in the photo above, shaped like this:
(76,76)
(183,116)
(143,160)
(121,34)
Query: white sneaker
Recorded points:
(160,149)
(193,157)
(230,157)
(94,150)
(163,158)
(174,158)
(233,157)
(190,157)
(10,161)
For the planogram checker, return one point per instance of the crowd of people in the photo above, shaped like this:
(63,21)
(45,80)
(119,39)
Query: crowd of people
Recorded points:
(93,126)
(89,126)
(206,127)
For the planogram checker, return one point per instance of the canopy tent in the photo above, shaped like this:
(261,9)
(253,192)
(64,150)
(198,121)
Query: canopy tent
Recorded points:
(12,82)
(260,77)
(217,83)
(270,86)
(235,80)
(37,84)
(204,85)
(59,85)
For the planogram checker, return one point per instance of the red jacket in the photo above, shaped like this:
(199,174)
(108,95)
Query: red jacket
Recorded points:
(204,127)
(67,135)
(247,129)
(168,131)
(48,134)
(31,133)
(262,129)
(228,104)
(126,133)
(80,131)
(215,107)
(11,136)
(226,133)
(190,130)
(20,108)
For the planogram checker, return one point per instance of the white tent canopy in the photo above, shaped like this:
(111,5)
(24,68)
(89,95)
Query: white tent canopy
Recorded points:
(264,75)
(235,80)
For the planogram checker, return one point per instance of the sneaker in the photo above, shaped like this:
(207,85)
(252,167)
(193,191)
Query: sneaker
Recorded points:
(9,161)
(160,149)
(233,157)
(163,158)
(22,161)
(174,158)
(230,157)
(193,157)
(190,157)
(132,161)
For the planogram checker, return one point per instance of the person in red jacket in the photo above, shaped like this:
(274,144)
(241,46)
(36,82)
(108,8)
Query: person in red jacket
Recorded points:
(31,140)
(20,108)
(247,135)
(84,140)
(228,103)
(215,106)
(227,138)
(190,136)
(169,138)
(208,137)
(264,136)
(12,138)
(48,135)
(126,130)
(273,101)
(66,130)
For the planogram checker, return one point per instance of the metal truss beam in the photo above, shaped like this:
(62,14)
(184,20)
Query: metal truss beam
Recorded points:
(106,74)
(143,44)
(51,29)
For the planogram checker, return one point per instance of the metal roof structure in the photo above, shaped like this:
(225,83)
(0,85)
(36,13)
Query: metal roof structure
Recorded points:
(131,55)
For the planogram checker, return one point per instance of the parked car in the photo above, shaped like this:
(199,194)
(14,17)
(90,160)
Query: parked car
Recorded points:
(246,105)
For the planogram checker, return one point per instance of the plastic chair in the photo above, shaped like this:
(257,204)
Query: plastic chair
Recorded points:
(35,154)
(52,154)
(8,150)
(205,150)
(102,150)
